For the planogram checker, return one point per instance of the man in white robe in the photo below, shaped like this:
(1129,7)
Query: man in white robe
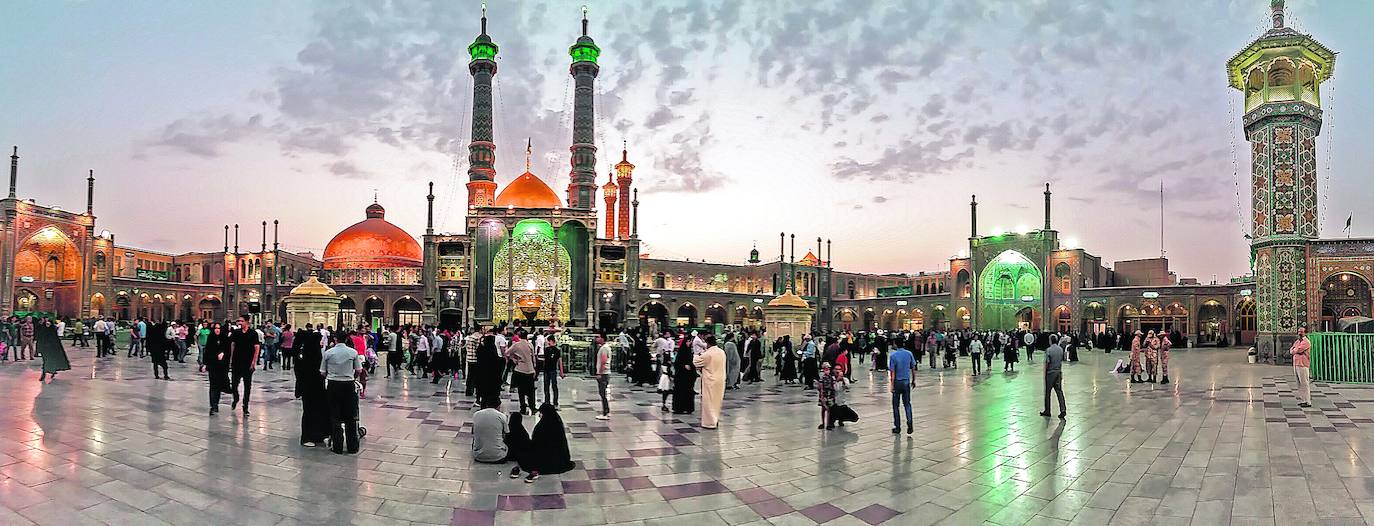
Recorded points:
(711,365)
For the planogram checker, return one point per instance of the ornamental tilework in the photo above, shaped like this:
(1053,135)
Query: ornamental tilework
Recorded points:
(1307,190)
(1259,192)
(1291,288)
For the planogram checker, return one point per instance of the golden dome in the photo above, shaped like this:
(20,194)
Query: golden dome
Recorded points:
(373,243)
(528,191)
(788,299)
(313,287)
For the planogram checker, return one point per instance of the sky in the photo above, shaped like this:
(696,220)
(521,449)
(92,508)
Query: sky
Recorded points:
(866,122)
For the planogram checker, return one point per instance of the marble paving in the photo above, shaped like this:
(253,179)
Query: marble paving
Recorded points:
(1224,444)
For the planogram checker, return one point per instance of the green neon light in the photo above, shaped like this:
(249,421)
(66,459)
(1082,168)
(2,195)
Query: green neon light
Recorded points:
(533,228)
(584,52)
(483,50)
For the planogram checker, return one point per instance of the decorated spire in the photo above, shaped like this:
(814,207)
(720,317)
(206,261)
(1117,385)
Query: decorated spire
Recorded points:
(482,150)
(624,179)
(1276,12)
(529,152)
(582,185)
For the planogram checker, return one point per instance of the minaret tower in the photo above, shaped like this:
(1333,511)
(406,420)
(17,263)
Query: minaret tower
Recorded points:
(482,151)
(582,188)
(1280,74)
(624,175)
(609,193)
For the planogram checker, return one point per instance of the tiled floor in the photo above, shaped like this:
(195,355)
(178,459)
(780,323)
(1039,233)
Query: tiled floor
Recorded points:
(1226,443)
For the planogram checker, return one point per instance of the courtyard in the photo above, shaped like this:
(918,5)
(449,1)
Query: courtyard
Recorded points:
(1224,444)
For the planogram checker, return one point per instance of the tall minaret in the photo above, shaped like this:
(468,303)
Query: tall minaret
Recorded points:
(624,174)
(609,193)
(482,151)
(582,185)
(1280,74)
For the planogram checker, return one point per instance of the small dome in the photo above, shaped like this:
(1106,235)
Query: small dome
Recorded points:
(528,191)
(313,287)
(788,299)
(373,243)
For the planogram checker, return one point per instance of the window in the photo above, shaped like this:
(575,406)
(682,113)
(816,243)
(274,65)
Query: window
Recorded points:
(660,280)
(1063,282)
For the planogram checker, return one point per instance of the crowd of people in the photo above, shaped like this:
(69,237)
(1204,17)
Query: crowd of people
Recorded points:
(691,371)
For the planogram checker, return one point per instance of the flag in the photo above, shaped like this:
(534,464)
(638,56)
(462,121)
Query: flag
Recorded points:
(1348,220)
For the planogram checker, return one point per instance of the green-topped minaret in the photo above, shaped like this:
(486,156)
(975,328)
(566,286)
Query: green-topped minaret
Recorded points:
(482,149)
(1280,74)
(582,179)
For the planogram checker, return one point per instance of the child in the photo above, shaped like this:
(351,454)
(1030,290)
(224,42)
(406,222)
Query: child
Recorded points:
(839,411)
(826,393)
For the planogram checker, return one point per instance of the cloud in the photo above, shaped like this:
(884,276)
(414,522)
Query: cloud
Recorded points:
(206,137)
(879,199)
(347,170)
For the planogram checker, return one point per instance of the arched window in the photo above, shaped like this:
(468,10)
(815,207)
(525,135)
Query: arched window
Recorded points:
(1247,315)
(660,280)
(850,289)
(1062,280)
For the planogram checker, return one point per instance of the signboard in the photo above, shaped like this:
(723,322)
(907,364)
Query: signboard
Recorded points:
(1149,294)
(900,290)
(153,275)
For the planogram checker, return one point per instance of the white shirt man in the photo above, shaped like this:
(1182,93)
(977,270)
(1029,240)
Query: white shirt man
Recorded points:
(99,327)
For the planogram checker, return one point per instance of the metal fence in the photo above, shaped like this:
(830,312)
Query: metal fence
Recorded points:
(1342,357)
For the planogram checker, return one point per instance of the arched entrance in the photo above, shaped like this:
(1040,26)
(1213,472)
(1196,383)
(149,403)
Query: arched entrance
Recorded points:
(122,306)
(963,284)
(846,319)
(208,307)
(715,314)
(1211,326)
(1343,295)
(1063,318)
(374,312)
(886,322)
(962,319)
(533,272)
(868,320)
(25,301)
(1009,285)
(97,305)
(1094,318)
(686,315)
(407,311)
(654,311)
(348,313)
(917,321)
(1246,321)
(1127,319)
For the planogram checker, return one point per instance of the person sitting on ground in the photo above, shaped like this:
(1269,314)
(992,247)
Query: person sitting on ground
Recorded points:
(518,446)
(549,445)
(489,429)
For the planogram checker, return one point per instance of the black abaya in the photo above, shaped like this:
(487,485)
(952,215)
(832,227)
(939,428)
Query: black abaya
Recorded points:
(684,382)
(310,388)
(519,449)
(549,443)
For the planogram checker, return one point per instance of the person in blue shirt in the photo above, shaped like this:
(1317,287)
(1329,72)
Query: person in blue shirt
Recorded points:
(809,367)
(900,362)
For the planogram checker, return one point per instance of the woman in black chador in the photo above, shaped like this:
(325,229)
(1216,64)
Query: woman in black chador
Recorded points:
(789,362)
(49,345)
(549,444)
(684,380)
(158,344)
(643,361)
(217,365)
(310,388)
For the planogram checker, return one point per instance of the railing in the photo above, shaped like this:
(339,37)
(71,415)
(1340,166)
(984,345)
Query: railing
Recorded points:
(1342,357)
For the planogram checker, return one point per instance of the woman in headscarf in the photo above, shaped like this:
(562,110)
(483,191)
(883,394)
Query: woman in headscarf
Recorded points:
(216,350)
(549,444)
(310,389)
(684,380)
(519,449)
(1010,355)
(789,363)
(50,348)
(643,361)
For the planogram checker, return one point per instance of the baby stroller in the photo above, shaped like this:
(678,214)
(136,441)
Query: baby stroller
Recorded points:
(362,431)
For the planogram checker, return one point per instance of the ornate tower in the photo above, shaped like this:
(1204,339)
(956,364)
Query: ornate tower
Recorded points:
(1280,74)
(609,193)
(482,151)
(624,175)
(582,188)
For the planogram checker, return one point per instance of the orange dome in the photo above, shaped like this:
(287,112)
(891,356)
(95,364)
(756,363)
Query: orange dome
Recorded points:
(373,243)
(528,191)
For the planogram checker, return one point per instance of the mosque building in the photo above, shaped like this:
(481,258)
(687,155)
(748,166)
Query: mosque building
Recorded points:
(528,254)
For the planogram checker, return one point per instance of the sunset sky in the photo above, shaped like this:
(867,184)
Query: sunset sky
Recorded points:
(868,122)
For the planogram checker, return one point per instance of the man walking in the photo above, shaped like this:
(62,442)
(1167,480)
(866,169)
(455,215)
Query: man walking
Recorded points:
(900,362)
(1054,376)
(244,348)
(1302,362)
(975,349)
(100,339)
(339,366)
(603,370)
